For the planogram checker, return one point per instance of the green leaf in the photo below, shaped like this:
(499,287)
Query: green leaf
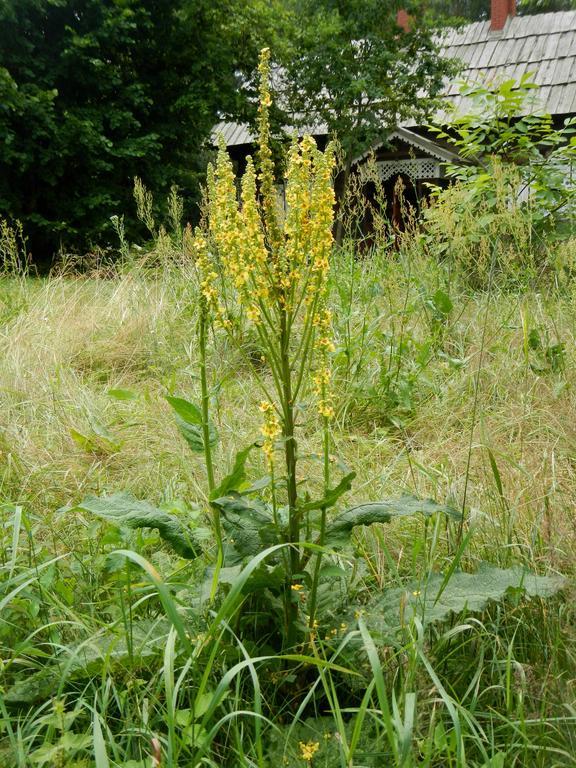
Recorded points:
(442,302)
(248,525)
(125,510)
(100,754)
(186,410)
(123,394)
(465,592)
(98,440)
(340,528)
(87,659)
(332,495)
(189,420)
(236,477)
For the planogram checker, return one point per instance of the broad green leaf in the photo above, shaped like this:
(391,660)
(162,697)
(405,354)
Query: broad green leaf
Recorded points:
(97,440)
(248,526)
(442,302)
(123,394)
(465,592)
(186,410)
(237,476)
(87,659)
(339,530)
(332,495)
(189,420)
(125,510)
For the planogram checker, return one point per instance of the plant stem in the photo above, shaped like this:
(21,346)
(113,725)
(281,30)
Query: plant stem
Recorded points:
(202,331)
(318,563)
(290,459)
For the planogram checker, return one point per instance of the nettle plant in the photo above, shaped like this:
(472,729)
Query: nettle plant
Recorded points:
(269,263)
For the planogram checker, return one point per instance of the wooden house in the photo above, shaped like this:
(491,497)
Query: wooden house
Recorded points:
(506,46)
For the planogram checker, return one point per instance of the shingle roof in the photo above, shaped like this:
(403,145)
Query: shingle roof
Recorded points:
(543,45)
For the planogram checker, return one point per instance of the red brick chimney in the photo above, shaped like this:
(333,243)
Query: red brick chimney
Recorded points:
(403,20)
(499,12)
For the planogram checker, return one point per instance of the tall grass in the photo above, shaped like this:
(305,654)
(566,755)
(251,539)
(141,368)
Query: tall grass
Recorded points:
(142,667)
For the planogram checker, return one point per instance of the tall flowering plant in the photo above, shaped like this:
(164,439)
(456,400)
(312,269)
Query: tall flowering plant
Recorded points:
(271,258)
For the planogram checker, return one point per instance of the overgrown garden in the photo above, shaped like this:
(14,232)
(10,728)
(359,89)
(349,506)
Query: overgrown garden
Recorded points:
(268,501)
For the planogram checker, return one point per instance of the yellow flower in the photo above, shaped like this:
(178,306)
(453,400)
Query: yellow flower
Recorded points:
(297,587)
(270,430)
(308,750)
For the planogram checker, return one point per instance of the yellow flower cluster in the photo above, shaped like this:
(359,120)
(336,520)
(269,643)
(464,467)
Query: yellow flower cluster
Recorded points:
(238,233)
(322,377)
(265,161)
(270,430)
(309,216)
(323,213)
(207,277)
(308,750)
(277,263)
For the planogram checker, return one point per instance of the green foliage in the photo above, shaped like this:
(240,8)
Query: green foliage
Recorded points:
(437,597)
(529,7)
(511,194)
(340,528)
(352,69)
(479,10)
(503,127)
(348,70)
(189,420)
(96,92)
(124,510)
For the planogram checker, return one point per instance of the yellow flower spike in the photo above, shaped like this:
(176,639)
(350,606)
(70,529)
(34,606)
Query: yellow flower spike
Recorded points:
(255,255)
(265,162)
(298,202)
(207,277)
(322,212)
(224,217)
(270,430)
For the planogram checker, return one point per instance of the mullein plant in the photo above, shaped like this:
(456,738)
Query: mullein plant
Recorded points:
(272,261)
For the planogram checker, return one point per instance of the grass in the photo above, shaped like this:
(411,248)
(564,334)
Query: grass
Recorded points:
(473,404)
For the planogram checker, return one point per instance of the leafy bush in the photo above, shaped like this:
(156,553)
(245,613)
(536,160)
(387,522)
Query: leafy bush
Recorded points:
(514,192)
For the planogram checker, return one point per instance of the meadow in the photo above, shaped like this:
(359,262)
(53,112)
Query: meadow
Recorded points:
(441,391)
(271,501)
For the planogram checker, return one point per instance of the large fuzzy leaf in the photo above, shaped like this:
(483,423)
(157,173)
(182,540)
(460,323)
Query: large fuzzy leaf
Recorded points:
(340,528)
(189,420)
(435,601)
(125,510)
(87,659)
(248,526)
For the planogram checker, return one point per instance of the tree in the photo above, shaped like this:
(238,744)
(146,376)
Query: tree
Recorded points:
(352,69)
(95,92)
